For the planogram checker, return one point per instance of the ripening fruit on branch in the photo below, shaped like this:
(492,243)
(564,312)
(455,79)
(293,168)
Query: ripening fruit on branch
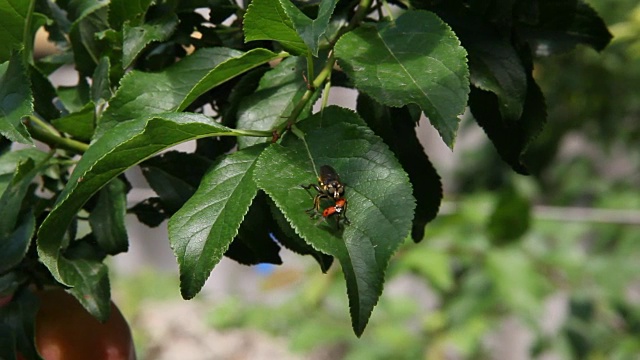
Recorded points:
(66,331)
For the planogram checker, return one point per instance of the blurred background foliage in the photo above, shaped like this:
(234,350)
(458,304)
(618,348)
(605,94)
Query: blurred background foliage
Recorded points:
(551,258)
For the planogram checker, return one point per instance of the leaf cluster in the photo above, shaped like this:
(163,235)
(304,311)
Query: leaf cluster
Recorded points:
(240,80)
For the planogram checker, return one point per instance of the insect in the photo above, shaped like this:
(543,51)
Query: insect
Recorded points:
(328,187)
(339,209)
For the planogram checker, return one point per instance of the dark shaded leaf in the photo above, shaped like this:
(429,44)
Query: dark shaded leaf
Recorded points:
(174,176)
(18,319)
(16,100)
(107,218)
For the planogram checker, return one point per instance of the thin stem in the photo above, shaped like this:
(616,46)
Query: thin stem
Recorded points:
(27,37)
(49,136)
(44,125)
(315,84)
(310,70)
(361,13)
(388,9)
(255,133)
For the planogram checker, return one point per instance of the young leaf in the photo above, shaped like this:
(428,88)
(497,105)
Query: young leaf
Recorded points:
(202,230)
(107,218)
(16,100)
(380,205)
(121,148)
(311,31)
(416,59)
(136,38)
(266,20)
(273,100)
(142,93)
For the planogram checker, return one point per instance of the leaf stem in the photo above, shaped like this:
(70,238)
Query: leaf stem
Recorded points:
(310,70)
(254,133)
(361,13)
(27,37)
(45,133)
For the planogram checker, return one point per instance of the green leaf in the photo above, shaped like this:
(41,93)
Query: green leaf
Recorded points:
(136,38)
(201,231)
(286,236)
(75,98)
(43,98)
(11,281)
(107,218)
(101,85)
(121,148)
(78,124)
(380,205)
(563,24)
(266,20)
(9,161)
(11,200)
(15,246)
(416,59)
(86,43)
(274,99)
(311,31)
(80,9)
(396,126)
(14,14)
(133,11)
(18,318)
(91,286)
(16,100)
(173,89)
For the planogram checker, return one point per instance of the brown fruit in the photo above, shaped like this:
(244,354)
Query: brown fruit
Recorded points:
(66,331)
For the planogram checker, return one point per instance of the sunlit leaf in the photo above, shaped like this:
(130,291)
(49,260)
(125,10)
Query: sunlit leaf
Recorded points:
(415,59)
(380,205)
